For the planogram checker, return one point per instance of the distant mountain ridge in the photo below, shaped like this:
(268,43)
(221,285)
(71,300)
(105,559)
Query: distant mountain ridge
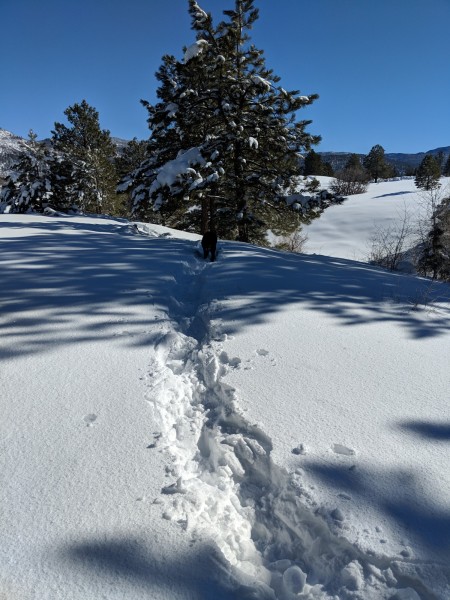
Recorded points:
(398,159)
(12,146)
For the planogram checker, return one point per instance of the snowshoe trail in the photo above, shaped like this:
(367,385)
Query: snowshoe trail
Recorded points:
(225,490)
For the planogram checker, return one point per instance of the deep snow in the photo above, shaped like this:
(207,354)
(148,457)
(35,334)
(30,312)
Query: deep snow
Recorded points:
(267,426)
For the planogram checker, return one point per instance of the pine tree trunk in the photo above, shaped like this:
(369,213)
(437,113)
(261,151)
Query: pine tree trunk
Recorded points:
(204,225)
(212,214)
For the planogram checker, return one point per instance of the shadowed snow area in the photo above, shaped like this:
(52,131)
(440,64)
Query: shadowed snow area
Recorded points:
(269,426)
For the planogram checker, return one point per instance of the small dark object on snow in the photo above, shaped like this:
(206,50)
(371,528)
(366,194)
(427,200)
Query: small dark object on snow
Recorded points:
(209,244)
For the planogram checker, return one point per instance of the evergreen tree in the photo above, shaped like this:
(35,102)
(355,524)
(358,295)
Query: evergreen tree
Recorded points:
(130,159)
(440,158)
(313,164)
(428,173)
(375,163)
(435,256)
(352,179)
(327,169)
(92,154)
(353,162)
(40,179)
(225,143)
(446,170)
(132,156)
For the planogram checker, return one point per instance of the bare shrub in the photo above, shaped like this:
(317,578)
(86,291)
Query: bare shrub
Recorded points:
(295,242)
(350,181)
(389,245)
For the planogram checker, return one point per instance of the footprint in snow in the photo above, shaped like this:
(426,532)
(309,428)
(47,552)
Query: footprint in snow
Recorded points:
(156,436)
(344,450)
(263,352)
(90,419)
(300,449)
(232,362)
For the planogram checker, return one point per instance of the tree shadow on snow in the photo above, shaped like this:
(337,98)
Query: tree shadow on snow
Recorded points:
(428,430)
(394,194)
(130,564)
(66,270)
(397,495)
(352,293)
(115,280)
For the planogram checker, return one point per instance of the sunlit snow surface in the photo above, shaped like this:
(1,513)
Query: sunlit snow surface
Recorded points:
(266,426)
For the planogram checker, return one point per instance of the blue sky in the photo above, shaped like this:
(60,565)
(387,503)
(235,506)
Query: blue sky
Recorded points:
(380,67)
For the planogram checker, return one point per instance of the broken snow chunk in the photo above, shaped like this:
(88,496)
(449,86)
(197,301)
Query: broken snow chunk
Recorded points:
(294,580)
(337,515)
(174,488)
(352,576)
(280,565)
(195,49)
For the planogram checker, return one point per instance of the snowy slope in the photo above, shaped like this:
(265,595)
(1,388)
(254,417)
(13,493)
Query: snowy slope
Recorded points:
(266,426)
(346,230)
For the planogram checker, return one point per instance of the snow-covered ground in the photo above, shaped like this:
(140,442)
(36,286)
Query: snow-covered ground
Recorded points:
(266,426)
(346,230)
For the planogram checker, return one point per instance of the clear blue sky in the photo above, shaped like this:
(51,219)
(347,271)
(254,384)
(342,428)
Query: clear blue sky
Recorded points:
(381,67)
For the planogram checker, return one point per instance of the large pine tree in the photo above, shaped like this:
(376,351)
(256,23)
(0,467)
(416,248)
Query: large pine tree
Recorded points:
(92,154)
(225,140)
(375,163)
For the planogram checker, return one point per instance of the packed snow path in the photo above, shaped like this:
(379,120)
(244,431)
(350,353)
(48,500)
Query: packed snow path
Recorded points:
(227,488)
(205,466)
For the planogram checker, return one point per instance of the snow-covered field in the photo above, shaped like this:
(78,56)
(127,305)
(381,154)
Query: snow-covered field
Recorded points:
(346,230)
(267,426)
